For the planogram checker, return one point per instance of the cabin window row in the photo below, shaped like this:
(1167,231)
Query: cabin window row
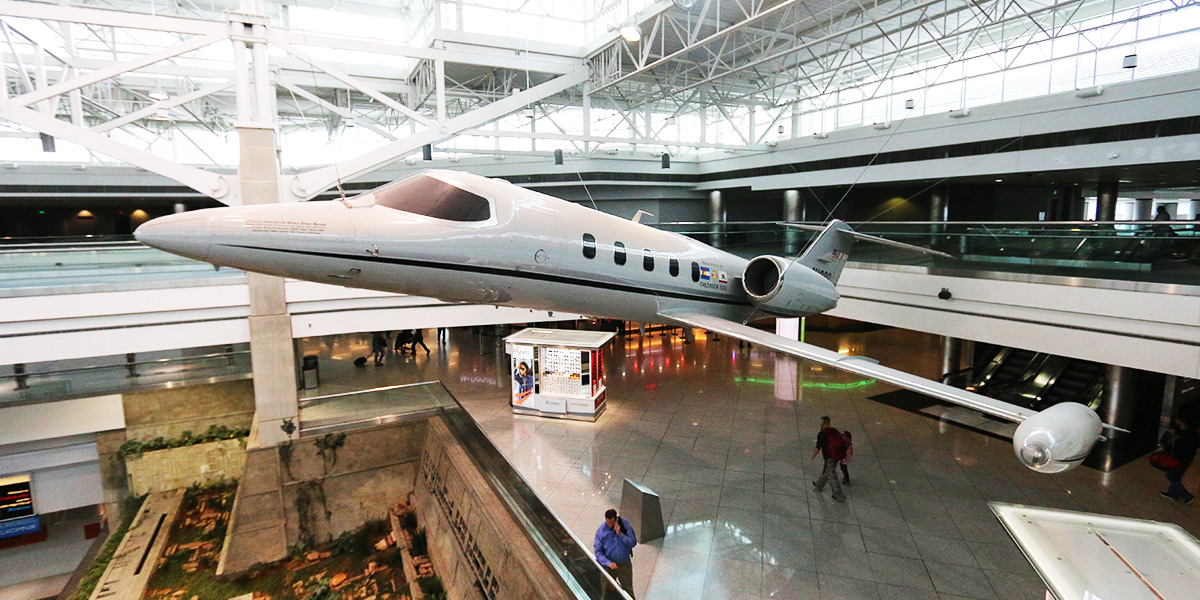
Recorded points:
(620,257)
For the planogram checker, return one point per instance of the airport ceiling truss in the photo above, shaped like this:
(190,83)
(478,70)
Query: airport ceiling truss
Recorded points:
(119,77)
(773,53)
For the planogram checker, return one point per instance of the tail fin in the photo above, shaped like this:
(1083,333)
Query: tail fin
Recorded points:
(828,253)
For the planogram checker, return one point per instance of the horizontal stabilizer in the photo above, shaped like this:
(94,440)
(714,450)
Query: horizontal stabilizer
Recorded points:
(869,238)
(854,364)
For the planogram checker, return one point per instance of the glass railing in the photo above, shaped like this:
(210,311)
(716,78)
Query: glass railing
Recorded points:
(29,267)
(60,380)
(352,410)
(580,576)
(1145,251)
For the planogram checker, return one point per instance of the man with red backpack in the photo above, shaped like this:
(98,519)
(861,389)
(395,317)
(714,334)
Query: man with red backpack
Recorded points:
(832,446)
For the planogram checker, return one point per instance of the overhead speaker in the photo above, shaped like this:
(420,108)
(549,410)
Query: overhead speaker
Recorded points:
(558,157)
(666,161)
(427,152)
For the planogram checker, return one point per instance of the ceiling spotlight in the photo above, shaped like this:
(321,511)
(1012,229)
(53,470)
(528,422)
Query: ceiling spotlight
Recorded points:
(158,95)
(631,31)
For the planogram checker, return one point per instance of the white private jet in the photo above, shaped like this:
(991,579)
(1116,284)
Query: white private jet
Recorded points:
(461,237)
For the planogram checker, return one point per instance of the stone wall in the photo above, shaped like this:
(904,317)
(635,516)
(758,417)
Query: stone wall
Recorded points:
(298,494)
(475,543)
(168,413)
(175,468)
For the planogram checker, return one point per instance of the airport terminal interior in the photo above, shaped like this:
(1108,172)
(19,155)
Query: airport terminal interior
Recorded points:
(183,421)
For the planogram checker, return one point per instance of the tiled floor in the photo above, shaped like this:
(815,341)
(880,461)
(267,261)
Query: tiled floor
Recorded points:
(724,435)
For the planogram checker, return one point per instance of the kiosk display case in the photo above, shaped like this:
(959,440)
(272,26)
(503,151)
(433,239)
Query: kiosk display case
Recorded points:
(558,373)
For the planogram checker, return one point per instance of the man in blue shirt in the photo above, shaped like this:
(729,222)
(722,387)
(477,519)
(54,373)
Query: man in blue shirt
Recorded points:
(614,548)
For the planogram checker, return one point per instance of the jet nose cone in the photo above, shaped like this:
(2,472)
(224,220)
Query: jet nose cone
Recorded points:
(185,234)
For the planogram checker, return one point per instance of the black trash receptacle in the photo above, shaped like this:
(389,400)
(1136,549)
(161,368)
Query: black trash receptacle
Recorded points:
(310,372)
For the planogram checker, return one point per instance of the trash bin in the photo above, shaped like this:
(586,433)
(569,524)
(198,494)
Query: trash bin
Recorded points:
(310,372)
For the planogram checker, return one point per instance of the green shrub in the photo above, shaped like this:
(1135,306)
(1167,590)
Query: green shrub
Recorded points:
(431,586)
(347,543)
(214,433)
(321,591)
(420,544)
(408,521)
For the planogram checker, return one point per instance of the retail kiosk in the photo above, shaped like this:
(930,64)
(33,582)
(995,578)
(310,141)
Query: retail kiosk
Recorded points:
(557,373)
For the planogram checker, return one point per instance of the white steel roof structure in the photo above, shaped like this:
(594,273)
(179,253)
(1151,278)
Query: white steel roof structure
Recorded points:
(354,85)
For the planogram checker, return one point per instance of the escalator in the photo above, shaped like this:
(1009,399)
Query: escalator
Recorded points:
(1038,380)
(1006,367)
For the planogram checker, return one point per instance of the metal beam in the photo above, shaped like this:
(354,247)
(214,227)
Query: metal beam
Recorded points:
(117,69)
(309,184)
(215,185)
(453,52)
(331,107)
(348,80)
(165,104)
(599,139)
(110,18)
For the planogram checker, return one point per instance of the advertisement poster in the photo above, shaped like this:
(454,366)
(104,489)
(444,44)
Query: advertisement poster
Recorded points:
(17,516)
(16,498)
(522,376)
(560,372)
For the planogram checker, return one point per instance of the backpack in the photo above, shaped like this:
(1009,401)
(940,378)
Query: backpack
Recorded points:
(837,443)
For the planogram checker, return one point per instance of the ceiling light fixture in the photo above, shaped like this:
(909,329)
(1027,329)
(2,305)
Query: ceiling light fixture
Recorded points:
(159,95)
(631,31)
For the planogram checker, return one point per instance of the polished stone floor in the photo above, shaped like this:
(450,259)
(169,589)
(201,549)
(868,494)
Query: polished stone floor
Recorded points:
(724,435)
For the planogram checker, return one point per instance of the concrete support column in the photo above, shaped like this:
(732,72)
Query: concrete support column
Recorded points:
(1106,201)
(1118,407)
(716,215)
(1076,206)
(939,203)
(1143,209)
(791,212)
(272,356)
(938,210)
(951,355)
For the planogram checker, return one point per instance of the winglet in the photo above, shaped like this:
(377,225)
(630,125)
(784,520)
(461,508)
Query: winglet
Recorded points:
(828,253)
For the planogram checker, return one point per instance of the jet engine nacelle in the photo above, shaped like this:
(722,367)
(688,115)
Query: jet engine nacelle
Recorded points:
(1058,438)
(781,288)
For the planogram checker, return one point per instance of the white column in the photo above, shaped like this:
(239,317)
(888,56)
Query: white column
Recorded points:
(791,212)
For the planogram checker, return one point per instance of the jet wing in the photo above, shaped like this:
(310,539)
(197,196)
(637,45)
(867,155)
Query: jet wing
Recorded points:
(854,364)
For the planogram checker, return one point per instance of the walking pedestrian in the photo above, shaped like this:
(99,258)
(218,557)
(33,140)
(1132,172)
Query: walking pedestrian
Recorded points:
(1180,442)
(832,447)
(379,344)
(614,544)
(846,461)
(418,337)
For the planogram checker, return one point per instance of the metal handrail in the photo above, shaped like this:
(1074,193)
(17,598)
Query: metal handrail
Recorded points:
(125,365)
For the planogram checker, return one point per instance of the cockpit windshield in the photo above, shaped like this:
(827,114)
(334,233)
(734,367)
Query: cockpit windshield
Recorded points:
(431,197)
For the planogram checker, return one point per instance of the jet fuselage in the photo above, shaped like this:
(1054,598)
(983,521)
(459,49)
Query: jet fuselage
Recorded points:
(529,250)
